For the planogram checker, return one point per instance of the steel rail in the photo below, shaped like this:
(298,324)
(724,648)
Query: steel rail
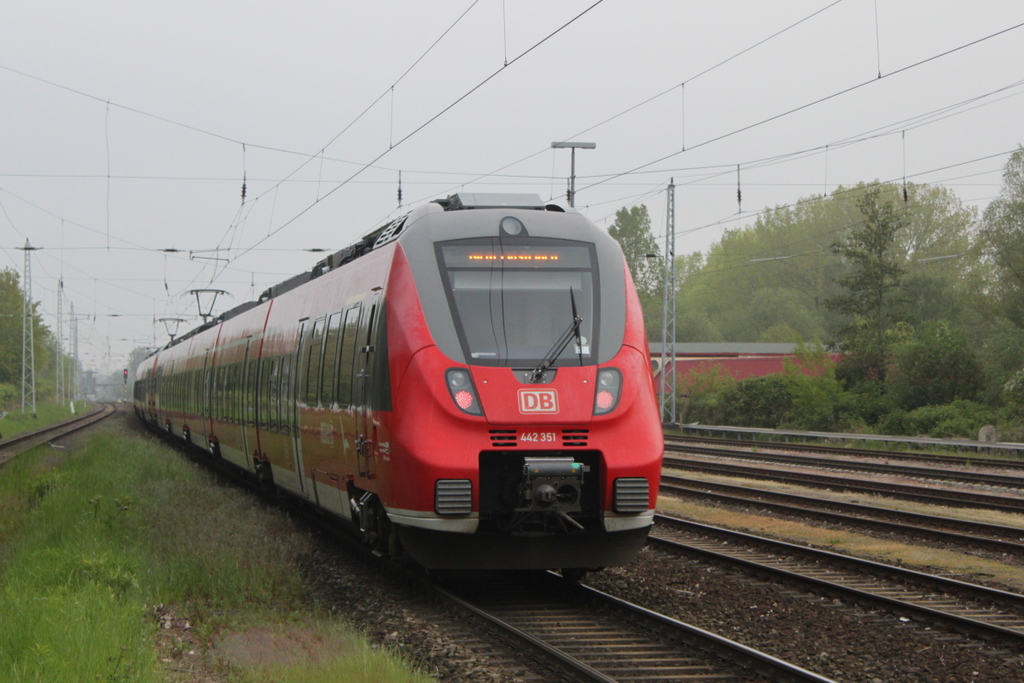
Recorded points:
(1012,449)
(855,514)
(760,661)
(903,491)
(989,479)
(846,450)
(989,616)
(601,663)
(607,639)
(14,446)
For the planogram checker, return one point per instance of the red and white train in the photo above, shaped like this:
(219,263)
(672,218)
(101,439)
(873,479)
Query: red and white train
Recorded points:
(469,385)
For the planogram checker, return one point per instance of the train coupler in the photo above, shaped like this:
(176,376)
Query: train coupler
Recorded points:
(552,485)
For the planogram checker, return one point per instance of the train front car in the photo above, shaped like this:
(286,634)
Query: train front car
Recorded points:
(524,432)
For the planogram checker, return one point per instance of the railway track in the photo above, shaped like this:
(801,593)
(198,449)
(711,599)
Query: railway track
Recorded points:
(967,608)
(968,534)
(1003,463)
(985,478)
(578,631)
(600,638)
(921,494)
(9,448)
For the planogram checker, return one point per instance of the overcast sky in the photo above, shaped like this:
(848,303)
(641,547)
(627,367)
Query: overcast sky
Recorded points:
(126,128)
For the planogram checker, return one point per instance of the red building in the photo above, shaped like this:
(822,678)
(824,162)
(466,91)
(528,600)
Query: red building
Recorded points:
(739,359)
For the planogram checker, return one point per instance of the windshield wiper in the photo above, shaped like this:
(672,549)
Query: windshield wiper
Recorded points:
(573,331)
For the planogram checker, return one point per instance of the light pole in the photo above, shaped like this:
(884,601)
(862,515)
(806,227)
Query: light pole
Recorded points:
(572,172)
(667,385)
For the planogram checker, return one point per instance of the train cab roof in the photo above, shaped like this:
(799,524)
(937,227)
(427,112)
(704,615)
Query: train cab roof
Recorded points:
(459,202)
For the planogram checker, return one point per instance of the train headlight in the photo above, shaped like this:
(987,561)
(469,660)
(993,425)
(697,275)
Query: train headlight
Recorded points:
(609,385)
(460,386)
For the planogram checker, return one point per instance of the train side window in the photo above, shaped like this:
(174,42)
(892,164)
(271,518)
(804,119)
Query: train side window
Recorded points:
(237,392)
(222,392)
(251,385)
(195,392)
(214,407)
(364,353)
(270,393)
(347,356)
(311,365)
(286,393)
(232,407)
(330,364)
(225,393)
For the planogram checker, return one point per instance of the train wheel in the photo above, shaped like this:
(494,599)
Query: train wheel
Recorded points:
(264,476)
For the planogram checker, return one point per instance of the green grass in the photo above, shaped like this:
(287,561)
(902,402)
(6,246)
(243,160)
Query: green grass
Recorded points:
(91,540)
(46,414)
(320,652)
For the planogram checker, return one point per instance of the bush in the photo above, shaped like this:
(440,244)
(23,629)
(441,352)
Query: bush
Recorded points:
(816,392)
(1013,391)
(959,419)
(865,404)
(759,402)
(8,396)
(896,423)
(703,394)
(934,366)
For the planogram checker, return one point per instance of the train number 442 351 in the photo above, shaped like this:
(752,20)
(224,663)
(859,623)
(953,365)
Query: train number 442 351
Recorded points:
(537,436)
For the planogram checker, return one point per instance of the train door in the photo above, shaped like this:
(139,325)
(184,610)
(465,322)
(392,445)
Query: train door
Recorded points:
(247,390)
(293,383)
(346,397)
(366,441)
(205,419)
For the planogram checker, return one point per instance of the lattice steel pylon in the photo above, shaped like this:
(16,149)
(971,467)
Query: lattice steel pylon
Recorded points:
(28,343)
(667,386)
(59,388)
(73,320)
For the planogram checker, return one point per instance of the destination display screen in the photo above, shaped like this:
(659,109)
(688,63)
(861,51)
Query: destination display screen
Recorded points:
(512,300)
(506,256)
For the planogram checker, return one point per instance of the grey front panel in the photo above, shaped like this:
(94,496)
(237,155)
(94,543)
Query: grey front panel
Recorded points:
(432,224)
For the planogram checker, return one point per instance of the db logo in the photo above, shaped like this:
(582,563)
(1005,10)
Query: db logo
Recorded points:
(538,401)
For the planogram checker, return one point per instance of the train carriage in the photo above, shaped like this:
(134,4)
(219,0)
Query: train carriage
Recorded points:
(469,385)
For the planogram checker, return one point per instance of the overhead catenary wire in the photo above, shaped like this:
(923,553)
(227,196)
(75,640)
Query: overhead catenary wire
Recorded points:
(412,183)
(661,94)
(710,172)
(812,103)
(426,123)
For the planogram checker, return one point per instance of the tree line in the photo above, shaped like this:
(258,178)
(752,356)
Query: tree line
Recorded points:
(46,349)
(922,297)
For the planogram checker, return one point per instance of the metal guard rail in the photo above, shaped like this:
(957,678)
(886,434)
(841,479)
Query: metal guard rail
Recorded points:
(920,442)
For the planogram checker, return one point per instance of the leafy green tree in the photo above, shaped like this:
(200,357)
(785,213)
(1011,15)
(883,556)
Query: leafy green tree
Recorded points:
(776,272)
(872,297)
(933,366)
(942,268)
(11,312)
(1013,395)
(760,402)
(780,270)
(704,394)
(11,301)
(632,230)
(811,379)
(9,397)
(1002,241)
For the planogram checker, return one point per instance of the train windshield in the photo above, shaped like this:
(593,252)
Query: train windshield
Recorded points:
(512,298)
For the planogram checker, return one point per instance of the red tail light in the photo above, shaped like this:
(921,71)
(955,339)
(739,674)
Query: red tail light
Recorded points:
(609,385)
(460,386)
